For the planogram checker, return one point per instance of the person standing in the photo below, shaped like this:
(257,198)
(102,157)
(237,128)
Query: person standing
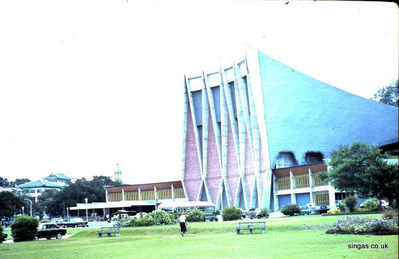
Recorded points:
(182,223)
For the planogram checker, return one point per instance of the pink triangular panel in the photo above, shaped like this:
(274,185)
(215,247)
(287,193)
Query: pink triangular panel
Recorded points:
(214,174)
(249,166)
(233,170)
(192,171)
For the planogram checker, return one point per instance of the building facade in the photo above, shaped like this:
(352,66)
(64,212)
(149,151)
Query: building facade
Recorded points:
(135,197)
(256,133)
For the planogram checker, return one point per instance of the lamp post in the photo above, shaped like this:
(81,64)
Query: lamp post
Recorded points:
(30,207)
(87,212)
(67,213)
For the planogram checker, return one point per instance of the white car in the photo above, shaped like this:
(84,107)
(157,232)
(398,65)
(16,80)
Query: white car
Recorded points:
(384,203)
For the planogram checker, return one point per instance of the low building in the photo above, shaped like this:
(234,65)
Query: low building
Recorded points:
(35,188)
(58,178)
(136,197)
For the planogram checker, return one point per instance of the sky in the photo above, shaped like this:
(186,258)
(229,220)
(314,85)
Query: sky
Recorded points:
(85,85)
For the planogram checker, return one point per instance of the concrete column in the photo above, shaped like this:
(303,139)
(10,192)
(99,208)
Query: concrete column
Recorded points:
(106,195)
(275,197)
(311,185)
(155,193)
(173,192)
(292,181)
(331,197)
(123,194)
(139,194)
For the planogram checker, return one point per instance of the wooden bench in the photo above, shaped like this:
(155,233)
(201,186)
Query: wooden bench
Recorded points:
(250,226)
(109,231)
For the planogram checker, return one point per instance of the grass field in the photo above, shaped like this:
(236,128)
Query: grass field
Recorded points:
(288,237)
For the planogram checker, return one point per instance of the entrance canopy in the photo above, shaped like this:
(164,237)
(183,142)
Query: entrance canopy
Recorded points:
(110,205)
(123,212)
(202,205)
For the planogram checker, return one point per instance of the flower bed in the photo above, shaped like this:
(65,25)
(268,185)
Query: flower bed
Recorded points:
(357,225)
(351,213)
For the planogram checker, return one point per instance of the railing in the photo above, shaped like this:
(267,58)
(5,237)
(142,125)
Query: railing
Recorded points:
(283,183)
(302,181)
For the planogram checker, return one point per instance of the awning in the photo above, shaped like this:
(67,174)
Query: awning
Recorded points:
(109,205)
(185,204)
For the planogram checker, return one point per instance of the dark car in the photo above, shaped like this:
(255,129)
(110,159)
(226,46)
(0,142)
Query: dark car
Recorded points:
(73,223)
(323,209)
(49,230)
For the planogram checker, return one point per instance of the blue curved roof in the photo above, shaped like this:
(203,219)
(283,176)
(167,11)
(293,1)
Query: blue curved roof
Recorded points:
(40,183)
(303,114)
(57,176)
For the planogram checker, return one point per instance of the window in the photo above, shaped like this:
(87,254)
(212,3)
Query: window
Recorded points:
(286,159)
(313,158)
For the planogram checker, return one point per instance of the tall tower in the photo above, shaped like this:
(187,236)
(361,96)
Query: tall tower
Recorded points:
(117,174)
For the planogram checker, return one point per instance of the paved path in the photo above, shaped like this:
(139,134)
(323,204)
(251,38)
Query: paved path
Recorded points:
(10,240)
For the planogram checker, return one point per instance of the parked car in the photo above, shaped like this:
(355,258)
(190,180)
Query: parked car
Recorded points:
(323,209)
(57,220)
(210,216)
(318,208)
(49,230)
(140,215)
(305,210)
(73,223)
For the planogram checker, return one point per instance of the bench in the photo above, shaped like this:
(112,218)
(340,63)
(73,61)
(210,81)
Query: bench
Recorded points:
(109,231)
(250,226)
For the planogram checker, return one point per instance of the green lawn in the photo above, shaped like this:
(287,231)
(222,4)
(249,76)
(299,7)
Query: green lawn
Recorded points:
(289,237)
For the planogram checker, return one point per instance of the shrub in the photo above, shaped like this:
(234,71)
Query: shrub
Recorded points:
(371,204)
(334,211)
(231,213)
(1,234)
(290,209)
(174,216)
(351,203)
(140,222)
(341,206)
(24,228)
(264,213)
(357,225)
(125,222)
(160,217)
(195,216)
(389,214)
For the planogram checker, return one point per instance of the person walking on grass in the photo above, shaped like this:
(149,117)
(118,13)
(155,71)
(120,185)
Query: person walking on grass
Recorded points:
(182,223)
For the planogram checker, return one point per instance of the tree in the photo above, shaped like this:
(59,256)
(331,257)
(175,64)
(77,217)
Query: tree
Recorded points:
(55,203)
(389,94)
(350,203)
(19,181)
(4,182)
(10,204)
(361,168)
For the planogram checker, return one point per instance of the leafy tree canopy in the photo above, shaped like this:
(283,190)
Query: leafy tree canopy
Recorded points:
(388,95)
(55,203)
(361,168)
(10,204)
(4,182)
